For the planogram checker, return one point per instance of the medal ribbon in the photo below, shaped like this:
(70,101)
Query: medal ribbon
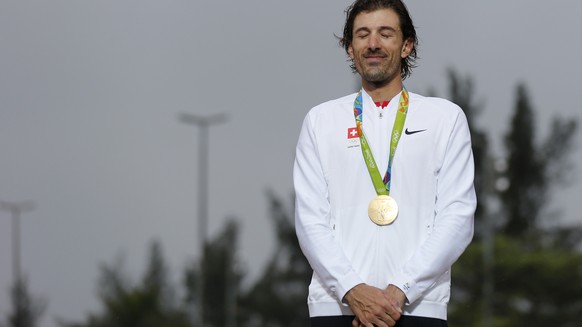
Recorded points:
(382,186)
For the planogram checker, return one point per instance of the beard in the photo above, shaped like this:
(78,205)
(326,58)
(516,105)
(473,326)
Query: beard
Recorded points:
(375,75)
(380,73)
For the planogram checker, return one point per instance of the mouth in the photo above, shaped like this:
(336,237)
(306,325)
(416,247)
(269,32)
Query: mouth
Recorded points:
(374,58)
(374,55)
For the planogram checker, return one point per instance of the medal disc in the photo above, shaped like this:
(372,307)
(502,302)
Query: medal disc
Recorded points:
(383,210)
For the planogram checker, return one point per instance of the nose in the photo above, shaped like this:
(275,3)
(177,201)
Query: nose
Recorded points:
(373,42)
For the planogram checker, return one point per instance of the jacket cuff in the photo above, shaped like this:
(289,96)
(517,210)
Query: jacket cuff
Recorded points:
(347,283)
(408,286)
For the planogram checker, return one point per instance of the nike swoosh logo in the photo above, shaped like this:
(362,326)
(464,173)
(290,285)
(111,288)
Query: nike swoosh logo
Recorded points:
(407,132)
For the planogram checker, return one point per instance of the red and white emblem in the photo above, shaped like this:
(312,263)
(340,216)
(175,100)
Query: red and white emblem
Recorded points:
(353,133)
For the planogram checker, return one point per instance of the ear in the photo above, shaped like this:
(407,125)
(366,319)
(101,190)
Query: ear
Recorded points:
(351,52)
(407,47)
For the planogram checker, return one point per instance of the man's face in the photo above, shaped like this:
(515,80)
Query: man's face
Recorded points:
(378,46)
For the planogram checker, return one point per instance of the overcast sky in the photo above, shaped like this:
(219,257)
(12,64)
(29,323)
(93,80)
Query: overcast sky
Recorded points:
(90,92)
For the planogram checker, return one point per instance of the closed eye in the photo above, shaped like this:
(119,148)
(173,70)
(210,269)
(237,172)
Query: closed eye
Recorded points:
(362,35)
(362,32)
(387,32)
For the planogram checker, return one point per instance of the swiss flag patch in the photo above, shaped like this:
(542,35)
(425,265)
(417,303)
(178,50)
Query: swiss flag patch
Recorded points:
(353,133)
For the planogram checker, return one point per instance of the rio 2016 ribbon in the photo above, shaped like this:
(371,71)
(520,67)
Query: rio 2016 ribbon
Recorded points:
(382,210)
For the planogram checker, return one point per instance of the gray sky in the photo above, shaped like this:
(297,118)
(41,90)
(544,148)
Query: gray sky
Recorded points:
(90,91)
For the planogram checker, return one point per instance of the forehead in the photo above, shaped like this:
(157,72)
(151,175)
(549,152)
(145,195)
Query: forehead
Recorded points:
(377,19)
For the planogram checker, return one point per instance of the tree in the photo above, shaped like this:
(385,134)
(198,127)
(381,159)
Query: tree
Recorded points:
(528,258)
(222,276)
(537,286)
(26,309)
(279,298)
(525,169)
(532,170)
(149,304)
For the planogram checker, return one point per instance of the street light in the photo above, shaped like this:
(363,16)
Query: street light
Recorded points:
(203,123)
(16,209)
(495,182)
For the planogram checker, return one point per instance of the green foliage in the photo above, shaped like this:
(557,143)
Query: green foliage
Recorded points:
(221,277)
(279,298)
(532,169)
(149,304)
(26,310)
(535,273)
(525,170)
(534,285)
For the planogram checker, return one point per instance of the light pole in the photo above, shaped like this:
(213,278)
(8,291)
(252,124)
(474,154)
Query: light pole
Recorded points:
(203,123)
(495,182)
(16,209)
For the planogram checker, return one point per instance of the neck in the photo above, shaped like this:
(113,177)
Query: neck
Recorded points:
(383,91)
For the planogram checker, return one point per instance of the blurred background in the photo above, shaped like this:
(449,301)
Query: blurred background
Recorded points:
(133,132)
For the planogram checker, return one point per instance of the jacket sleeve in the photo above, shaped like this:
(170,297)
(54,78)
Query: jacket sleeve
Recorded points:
(454,212)
(312,216)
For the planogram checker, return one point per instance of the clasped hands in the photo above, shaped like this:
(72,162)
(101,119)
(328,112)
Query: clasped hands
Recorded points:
(375,307)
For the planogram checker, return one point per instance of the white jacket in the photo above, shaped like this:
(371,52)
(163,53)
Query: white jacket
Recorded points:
(432,182)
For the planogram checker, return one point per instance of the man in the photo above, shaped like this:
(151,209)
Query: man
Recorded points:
(382,242)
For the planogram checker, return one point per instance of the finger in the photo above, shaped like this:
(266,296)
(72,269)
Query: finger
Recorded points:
(389,320)
(357,322)
(382,322)
(367,322)
(396,306)
(395,313)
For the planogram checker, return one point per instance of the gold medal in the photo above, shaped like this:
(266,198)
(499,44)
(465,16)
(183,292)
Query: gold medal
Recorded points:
(383,210)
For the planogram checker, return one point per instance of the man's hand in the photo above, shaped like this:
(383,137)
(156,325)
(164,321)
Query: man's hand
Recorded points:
(372,306)
(397,297)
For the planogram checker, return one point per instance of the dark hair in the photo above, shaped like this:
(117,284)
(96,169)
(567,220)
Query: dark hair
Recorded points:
(406,25)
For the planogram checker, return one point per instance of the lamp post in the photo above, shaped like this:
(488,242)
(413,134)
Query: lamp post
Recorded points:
(203,123)
(495,182)
(16,209)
